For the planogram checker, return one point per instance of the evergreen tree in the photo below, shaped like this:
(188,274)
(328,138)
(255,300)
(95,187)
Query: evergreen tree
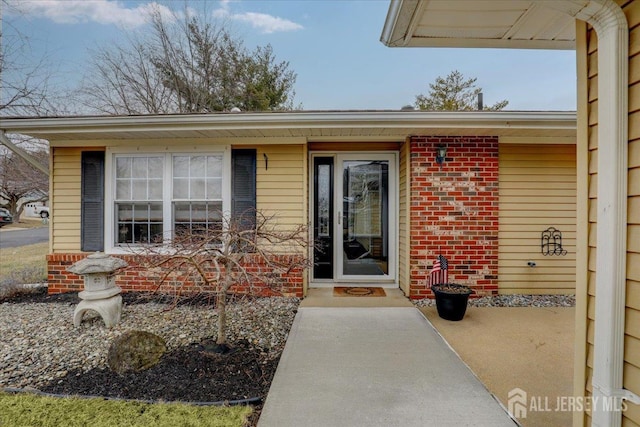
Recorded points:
(454,93)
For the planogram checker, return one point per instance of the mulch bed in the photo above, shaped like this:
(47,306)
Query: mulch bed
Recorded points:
(188,374)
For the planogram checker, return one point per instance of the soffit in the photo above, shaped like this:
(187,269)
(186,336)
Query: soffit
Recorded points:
(478,23)
(308,126)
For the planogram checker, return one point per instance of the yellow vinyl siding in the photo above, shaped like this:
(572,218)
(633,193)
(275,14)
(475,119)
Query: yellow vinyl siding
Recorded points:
(403,219)
(537,191)
(631,371)
(281,183)
(592,123)
(65,200)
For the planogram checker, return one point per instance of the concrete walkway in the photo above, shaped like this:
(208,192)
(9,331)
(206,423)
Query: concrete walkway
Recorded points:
(374,366)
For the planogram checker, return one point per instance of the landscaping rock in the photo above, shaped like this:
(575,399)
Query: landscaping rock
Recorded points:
(37,340)
(135,351)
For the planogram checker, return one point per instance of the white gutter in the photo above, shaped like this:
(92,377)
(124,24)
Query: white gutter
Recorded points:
(295,120)
(22,153)
(400,17)
(611,26)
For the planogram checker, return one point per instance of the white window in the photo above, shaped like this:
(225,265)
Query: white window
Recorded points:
(138,199)
(156,195)
(197,193)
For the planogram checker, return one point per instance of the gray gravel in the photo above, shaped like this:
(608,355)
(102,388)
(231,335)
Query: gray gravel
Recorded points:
(39,344)
(513,301)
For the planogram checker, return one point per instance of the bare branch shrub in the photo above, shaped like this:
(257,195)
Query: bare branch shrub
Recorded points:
(239,255)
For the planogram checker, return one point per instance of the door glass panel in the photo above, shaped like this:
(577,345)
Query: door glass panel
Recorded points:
(323,224)
(365,217)
(324,199)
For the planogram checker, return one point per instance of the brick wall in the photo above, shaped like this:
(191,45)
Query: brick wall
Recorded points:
(454,212)
(139,278)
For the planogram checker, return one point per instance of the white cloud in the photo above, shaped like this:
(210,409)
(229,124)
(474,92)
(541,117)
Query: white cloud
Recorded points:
(108,12)
(99,11)
(265,23)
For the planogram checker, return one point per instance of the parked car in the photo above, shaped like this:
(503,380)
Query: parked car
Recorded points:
(42,211)
(5,217)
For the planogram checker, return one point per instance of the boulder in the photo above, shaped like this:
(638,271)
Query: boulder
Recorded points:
(135,351)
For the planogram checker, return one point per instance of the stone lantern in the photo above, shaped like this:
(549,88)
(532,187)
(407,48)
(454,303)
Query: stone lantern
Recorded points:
(100,291)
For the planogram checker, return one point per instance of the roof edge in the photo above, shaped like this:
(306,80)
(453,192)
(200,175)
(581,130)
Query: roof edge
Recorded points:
(388,119)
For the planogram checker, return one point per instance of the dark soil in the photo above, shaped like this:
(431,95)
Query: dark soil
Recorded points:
(188,374)
(452,288)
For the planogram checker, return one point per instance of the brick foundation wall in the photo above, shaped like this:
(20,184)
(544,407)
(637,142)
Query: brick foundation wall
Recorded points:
(454,212)
(140,279)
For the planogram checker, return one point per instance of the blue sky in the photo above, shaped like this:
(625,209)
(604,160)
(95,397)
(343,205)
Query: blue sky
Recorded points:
(333,46)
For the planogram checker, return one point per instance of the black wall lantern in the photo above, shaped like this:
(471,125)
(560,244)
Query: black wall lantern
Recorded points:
(441,154)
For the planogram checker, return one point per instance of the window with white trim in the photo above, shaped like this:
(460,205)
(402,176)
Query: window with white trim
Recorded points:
(158,195)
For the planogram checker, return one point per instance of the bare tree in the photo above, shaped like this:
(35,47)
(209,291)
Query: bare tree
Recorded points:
(25,90)
(20,183)
(24,80)
(185,64)
(124,81)
(454,93)
(236,253)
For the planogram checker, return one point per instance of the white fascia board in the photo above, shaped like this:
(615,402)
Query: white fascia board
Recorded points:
(316,120)
(489,43)
(400,22)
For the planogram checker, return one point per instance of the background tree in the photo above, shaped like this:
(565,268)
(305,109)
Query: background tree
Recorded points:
(25,80)
(20,183)
(226,255)
(186,64)
(454,93)
(26,91)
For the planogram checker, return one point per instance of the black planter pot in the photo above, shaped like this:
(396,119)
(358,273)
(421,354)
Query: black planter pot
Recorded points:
(451,300)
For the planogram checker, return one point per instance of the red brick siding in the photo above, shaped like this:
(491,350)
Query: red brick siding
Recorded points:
(454,212)
(138,278)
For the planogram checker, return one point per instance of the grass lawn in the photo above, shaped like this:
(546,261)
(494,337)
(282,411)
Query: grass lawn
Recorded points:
(25,222)
(24,264)
(17,410)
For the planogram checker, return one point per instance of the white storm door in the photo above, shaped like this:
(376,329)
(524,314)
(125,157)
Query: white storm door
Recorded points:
(366,224)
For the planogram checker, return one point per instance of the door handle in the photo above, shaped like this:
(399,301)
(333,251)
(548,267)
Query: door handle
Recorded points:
(339,217)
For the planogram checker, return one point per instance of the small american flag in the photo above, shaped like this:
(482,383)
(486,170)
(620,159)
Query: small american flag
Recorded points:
(439,272)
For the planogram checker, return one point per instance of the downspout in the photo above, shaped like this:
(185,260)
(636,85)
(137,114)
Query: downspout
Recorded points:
(611,26)
(23,154)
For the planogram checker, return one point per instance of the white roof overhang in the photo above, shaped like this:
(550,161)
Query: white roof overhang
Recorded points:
(311,126)
(520,24)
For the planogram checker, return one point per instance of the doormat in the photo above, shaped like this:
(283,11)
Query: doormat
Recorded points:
(340,291)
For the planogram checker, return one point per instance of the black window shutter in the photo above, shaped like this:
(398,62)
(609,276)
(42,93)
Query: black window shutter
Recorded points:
(92,204)
(243,187)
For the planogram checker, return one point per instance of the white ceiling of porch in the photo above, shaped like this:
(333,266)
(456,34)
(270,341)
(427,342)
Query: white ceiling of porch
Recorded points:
(478,23)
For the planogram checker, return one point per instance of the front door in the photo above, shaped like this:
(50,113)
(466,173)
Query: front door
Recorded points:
(354,217)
